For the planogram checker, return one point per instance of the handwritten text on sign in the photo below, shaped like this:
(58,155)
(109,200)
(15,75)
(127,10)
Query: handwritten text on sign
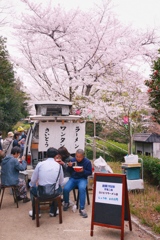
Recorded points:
(56,134)
(109,193)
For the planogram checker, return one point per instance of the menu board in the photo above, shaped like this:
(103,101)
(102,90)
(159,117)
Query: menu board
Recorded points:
(110,207)
(109,193)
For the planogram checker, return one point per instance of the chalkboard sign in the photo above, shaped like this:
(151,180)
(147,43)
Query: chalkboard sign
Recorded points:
(110,206)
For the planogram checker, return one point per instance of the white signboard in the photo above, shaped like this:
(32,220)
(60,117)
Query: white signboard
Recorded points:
(109,193)
(55,134)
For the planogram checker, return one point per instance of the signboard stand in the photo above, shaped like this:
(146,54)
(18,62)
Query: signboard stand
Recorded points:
(110,206)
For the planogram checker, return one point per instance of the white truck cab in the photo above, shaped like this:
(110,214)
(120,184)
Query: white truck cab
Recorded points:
(53,126)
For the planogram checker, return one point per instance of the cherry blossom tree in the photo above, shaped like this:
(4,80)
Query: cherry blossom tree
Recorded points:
(153,88)
(85,57)
(5,9)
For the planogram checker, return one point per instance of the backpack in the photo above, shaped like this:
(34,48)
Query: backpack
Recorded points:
(7,146)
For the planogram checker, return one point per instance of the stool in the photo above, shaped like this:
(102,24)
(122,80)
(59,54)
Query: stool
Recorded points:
(38,201)
(14,188)
(77,198)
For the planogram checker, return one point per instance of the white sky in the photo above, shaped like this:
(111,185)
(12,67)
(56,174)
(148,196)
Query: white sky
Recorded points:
(139,13)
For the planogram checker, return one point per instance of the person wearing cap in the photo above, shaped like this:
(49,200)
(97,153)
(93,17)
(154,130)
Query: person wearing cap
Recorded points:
(7,143)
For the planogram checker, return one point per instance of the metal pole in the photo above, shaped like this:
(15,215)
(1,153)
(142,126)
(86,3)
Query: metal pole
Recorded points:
(94,140)
(130,137)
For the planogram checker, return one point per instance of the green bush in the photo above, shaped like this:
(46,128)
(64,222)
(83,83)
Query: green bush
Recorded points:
(115,151)
(151,166)
(90,128)
(151,169)
(89,154)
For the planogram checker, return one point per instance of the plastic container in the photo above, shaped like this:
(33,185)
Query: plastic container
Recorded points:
(131,159)
(74,208)
(133,173)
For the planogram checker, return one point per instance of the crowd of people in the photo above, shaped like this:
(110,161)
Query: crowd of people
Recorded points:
(11,149)
(57,168)
(12,140)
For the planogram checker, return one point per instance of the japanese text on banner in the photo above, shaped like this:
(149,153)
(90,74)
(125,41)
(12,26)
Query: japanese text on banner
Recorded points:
(109,193)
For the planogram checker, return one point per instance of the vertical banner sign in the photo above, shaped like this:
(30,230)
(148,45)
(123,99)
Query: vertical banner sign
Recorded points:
(110,206)
(56,134)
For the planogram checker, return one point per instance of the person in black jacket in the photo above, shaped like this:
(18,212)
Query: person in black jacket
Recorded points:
(16,142)
(78,179)
(64,159)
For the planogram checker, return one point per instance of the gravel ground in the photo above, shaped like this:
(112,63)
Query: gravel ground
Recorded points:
(16,224)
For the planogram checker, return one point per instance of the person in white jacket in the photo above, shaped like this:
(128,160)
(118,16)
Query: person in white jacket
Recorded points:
(47,172)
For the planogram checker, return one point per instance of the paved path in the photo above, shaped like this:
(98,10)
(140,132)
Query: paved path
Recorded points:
(17,225)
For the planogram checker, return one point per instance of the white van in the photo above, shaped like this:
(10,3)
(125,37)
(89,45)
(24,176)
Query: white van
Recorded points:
(53,126)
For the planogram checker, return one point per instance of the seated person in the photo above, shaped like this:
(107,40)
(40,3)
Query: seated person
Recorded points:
(64,159)
(78,179)
(10,173)
(46,172)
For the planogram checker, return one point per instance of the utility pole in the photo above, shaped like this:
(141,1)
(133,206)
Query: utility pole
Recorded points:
(94,139)
(130,137)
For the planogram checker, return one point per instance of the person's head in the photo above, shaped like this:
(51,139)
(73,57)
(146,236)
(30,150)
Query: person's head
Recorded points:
(16,135)
(16,151)
(20,130)
(63,152)
(79,155)
(58,157)
(0,133)
(52,152)
(10,134)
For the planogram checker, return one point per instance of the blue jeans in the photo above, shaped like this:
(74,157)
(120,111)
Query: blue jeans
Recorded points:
(81,183)
(33,192)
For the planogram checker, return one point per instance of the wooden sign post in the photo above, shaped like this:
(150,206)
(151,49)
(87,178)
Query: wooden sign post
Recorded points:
(110,206)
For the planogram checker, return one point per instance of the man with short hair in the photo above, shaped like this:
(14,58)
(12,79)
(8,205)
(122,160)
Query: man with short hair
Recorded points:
(10,168)
(46,172)
(78,179)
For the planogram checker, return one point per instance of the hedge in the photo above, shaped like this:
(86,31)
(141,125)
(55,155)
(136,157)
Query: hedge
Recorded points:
(89,154)
(115,154)
(151,166)
(151,169)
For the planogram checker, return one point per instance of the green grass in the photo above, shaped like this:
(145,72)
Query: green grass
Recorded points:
(157,208)
(144,204)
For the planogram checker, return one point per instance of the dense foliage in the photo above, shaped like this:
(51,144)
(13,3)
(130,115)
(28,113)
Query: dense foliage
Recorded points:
(90,128)
(115,152)
(154,89)
(13,101)
(151,169)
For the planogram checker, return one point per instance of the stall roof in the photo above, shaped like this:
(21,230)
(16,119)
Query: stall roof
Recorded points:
(66,103)
(146,137)
(55,118)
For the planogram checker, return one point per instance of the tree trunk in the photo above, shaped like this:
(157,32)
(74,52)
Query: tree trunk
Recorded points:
(130,137)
